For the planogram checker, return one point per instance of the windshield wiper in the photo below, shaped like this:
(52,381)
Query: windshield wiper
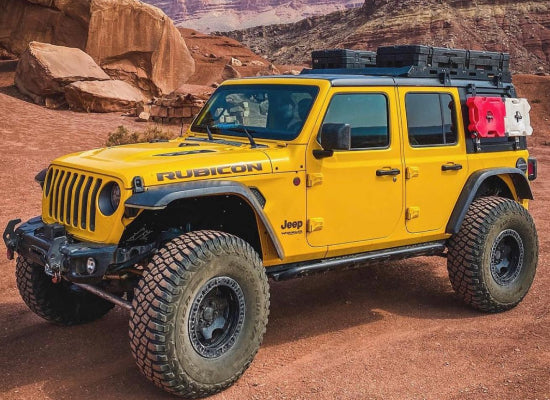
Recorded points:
(242,128)
(209,133)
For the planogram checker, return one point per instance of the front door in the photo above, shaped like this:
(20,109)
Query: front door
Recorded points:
(357,195)
(435,156)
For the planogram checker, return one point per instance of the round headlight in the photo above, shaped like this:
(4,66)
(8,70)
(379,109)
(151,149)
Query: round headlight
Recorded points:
(115,196)
(109,198)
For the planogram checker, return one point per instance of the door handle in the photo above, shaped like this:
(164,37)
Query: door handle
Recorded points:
(388,172)
(451,167)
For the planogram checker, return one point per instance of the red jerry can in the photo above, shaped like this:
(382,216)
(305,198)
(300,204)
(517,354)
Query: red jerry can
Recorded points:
(486,116)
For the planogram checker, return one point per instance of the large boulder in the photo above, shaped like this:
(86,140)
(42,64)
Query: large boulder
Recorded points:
(131,40)
(61,22)
(127,34)
(45,69)
(102,96)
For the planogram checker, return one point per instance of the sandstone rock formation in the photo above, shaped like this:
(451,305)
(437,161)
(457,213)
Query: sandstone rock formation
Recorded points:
(226,15)
(180,106)
(131,40)
(45,69)
(138,43)
(235,62)
(102,96)
(519,27)
(61,22)
(210,70)
(230,72)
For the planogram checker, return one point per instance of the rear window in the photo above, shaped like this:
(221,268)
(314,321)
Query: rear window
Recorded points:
(430,119)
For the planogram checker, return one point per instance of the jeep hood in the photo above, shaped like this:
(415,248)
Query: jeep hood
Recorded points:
(174,161)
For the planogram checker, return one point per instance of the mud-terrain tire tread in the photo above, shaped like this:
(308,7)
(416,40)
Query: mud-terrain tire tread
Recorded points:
(466,248)
(154,308)
(56,303)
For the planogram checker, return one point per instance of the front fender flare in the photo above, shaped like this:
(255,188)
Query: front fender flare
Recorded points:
(469,192)
(159,197)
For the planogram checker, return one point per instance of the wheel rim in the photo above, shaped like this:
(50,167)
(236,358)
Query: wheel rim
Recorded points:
(217,317)
(506,257)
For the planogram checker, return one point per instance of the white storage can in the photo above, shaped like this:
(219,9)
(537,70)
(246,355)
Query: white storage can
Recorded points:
(517,121)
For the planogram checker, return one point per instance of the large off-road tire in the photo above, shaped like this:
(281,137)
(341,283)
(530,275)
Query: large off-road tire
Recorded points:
(199,313)
(493,258)
(56,302)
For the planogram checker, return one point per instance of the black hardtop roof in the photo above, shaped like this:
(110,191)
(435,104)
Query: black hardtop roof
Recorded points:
(337,80)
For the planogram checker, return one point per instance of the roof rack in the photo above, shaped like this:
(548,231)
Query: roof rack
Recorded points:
(443,74)
(416,61)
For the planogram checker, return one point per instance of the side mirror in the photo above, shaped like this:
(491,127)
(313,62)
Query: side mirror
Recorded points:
(333,137)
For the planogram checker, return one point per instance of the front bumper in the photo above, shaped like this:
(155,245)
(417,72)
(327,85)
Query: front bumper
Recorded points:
(50,246)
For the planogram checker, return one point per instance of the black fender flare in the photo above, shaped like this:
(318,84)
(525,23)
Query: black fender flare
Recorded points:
(159,197)
(469,191)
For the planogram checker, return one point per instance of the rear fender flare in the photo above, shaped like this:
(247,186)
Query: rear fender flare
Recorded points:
(469,191)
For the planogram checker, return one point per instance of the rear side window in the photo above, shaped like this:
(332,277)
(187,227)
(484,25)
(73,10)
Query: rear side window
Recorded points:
(430,119)
(367,114)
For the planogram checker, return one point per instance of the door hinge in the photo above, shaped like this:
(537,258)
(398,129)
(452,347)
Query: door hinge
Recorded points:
(412,172)
(315,224)
(412,213)
(314,179)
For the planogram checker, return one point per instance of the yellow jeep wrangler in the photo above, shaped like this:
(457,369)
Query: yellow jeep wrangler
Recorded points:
(282,177)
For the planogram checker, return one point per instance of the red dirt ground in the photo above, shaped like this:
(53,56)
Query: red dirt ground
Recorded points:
(391,331)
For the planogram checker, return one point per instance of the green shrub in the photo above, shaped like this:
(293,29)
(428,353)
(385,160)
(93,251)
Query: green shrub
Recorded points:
(123,135)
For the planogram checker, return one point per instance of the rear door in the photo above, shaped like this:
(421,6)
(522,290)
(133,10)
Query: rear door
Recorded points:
(436,166)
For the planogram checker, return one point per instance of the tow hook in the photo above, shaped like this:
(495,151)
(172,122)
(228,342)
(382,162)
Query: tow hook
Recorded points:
(56,278)
(10,238)
(54,259)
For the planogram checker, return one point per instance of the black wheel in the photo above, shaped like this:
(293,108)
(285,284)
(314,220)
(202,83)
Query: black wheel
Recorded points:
(60,303)
(199,313)
(493,259)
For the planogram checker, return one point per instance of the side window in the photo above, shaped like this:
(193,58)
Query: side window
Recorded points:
(431,119)
(366,113)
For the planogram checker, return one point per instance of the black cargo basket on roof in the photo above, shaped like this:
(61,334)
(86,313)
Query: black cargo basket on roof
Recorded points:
(439,57)
(488,61)
(421,56)
(342,58)
(416,61)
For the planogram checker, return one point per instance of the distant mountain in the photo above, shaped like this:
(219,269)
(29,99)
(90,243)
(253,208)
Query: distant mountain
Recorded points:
(521,28)
(227,15)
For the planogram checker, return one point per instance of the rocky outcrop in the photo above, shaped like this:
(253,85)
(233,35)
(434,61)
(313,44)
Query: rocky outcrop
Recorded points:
(226,15)
(521,28)
(138,43)
(45,69)
(102,96)
(131,40)
(230,72)
(58,22)
(212,53)
(180,106)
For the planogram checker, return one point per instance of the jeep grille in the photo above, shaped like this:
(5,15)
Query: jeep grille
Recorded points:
(71,197)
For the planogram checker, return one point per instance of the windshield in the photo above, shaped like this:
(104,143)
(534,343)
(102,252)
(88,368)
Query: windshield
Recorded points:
(275,112)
